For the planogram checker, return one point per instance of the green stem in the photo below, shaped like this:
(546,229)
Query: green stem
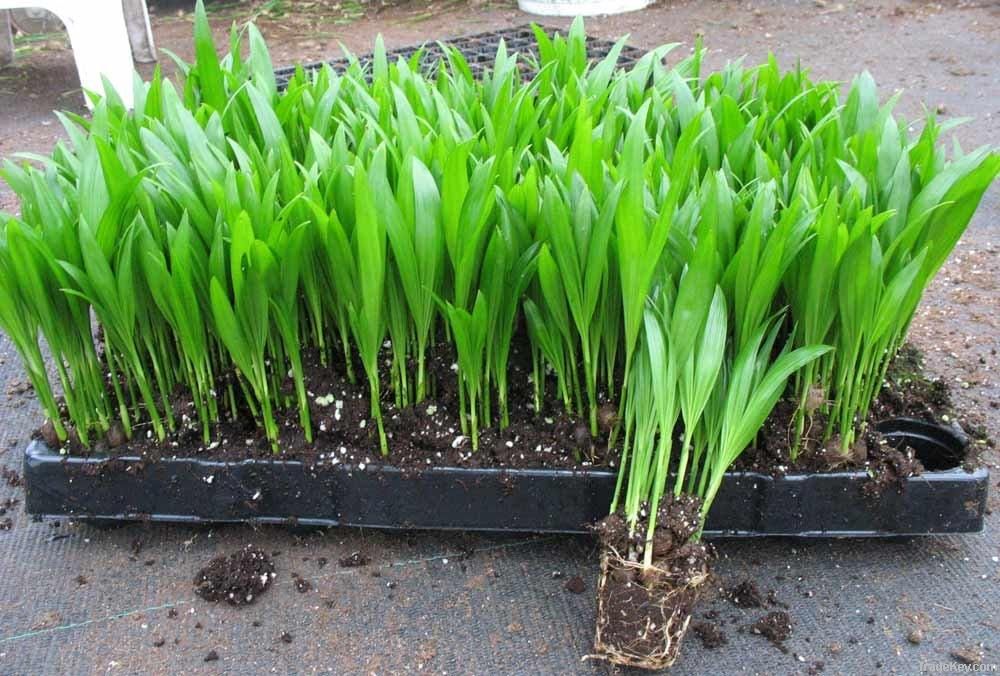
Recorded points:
(591,376)
(123,413)
(377,412)
(683,462)
(421,374)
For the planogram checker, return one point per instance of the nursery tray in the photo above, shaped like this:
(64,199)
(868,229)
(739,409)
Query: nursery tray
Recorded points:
(944,499)
(479,51)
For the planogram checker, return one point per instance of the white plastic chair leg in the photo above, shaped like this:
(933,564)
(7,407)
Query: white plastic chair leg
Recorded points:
(99,38)
(6,39)
(140,33)
(100,44)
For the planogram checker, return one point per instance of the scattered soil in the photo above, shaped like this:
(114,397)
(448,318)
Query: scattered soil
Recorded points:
(745,594)
(47,621)
(816,667)
(971,654)
(237,579)
(644,612)
(7,504)
(6,524)
(710,634)
(11,476)
(354,560)
(575,585)
(776,627)
(302,585)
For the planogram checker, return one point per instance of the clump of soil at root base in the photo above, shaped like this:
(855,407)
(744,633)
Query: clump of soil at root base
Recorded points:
(237,579)
(643,611)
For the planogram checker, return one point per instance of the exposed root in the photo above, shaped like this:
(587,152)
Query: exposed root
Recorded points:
(643,612)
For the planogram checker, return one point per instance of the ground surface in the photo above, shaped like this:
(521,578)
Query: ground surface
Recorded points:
(78,600)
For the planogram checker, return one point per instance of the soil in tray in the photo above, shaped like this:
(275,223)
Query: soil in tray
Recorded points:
(419,436)
(907,392)
(429,434)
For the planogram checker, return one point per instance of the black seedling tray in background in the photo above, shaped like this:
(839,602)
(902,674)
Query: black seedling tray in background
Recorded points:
(944,499)
(479,51)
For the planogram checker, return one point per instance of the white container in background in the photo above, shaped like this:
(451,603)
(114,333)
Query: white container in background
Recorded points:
(580,7)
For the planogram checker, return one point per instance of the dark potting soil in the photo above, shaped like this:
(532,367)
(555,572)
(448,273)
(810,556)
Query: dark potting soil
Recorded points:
(237,579)
(776,627)
(710,635)
(887,465)
(429,434)
(643,613)
(745,594)
(344,430)
(891,468)
(353,560)
(11,477)
(677,519)
(302,585)
(907,392)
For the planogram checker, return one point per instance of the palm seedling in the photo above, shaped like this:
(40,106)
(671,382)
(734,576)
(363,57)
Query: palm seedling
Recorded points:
(624,222)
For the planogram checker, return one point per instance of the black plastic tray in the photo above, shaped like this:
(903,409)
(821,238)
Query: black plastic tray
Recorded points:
(944,499)
(479,51)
